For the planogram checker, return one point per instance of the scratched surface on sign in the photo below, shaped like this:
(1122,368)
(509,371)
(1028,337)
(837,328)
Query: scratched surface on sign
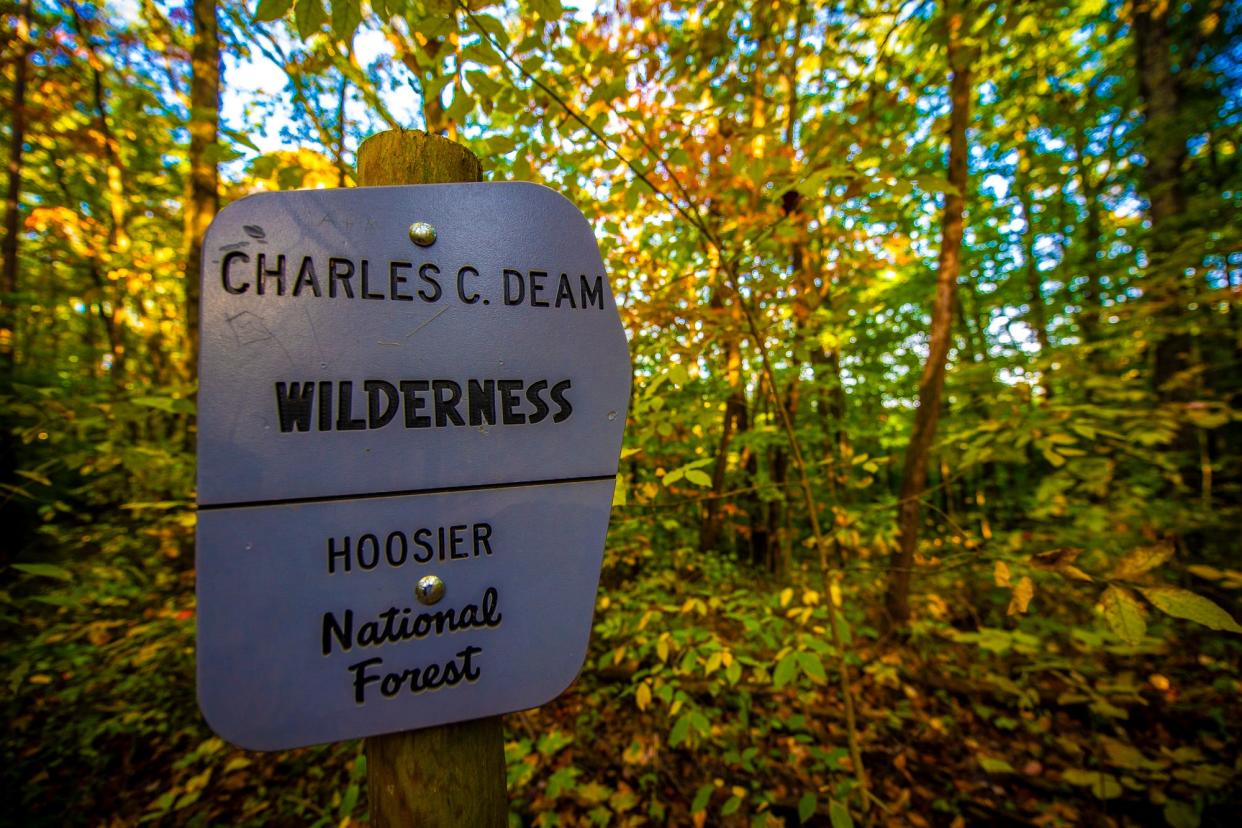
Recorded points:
(373,412)
(339,358)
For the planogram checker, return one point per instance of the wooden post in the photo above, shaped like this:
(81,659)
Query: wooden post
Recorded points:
(452,775)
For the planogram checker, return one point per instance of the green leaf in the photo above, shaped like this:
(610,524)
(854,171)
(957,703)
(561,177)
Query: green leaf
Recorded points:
(994,765)
(786,670)
(1054,459)
(806,806)
(432,87)
(492,26)
(687,471)
(698,478)
(167,404)
(45,571)
(385,9)
(41,479)
(269,10)
(1103,785)
(935,184)
(309,17)
(731,805)
(839,815)
(1181,603)
(553,742)
(813,667)
(547,9)
(681,729)
(439,24)
(462,105)
(346,15)
(482,52)
(1124,614)
(240,137)
(349,801)
(486,87)
(702,798)
(1181,814)
(563,780)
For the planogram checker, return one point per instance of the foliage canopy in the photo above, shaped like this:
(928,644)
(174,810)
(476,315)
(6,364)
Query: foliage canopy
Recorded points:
(807,278)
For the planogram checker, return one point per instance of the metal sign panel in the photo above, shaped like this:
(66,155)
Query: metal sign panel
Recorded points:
(407,451)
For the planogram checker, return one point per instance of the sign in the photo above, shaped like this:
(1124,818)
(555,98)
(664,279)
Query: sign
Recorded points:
(382,405)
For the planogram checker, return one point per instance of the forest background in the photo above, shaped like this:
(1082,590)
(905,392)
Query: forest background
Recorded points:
(929,502)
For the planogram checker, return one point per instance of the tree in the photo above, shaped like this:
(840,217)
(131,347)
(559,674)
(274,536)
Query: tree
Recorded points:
(203,193)
(914,473)
(12,197)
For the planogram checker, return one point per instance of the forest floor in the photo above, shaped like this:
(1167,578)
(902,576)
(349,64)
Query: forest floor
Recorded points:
(708,698)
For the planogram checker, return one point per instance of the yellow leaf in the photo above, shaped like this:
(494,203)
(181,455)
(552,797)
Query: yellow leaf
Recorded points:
(786,596)
(662,647)
(1141,560)
(1181,603)
(1211,573)
(1000,573)
(198,781)
(810,598)
(1124,614)
(1074,572)
(1124,755)
(1022,595)
(643,696)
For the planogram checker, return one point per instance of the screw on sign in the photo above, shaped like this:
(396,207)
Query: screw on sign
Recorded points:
(410,415)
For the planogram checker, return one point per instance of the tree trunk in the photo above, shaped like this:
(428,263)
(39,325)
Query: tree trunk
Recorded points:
(203,198)
(12,198)
(118,242)
(773,557)
(734,420)
(1089,313)
(1167,128)
(1164,145)
(1034,280)
(914,476)
(12,512)
(339,150)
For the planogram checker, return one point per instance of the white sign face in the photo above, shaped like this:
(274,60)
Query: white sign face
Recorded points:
(373,412)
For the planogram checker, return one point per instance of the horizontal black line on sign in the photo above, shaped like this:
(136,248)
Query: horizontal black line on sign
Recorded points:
(293,501)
